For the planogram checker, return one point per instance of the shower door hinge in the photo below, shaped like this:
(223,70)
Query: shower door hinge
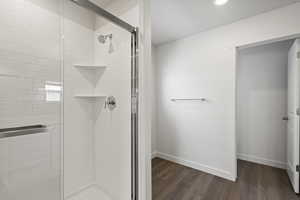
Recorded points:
(298,168)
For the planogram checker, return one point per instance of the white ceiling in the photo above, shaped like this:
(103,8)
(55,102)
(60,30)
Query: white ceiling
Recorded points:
(175,19)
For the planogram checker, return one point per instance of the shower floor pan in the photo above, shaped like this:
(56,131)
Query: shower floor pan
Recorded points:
(90,193)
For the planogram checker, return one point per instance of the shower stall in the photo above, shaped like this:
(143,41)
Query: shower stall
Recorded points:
(69,99)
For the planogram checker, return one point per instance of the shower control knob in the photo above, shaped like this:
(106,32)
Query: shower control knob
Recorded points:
(111,103)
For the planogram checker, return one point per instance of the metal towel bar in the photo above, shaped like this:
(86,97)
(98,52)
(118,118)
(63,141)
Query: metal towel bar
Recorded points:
(189,99)
(23,130)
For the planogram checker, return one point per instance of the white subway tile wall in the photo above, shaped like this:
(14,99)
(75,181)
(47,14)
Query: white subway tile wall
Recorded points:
(30,59)
(23,82)
(29,162)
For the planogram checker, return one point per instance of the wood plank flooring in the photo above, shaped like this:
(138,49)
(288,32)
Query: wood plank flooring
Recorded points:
(171,181)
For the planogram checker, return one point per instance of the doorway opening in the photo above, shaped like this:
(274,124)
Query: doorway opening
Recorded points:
(267,125)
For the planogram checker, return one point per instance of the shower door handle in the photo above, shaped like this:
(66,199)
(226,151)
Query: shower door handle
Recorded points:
(24,130)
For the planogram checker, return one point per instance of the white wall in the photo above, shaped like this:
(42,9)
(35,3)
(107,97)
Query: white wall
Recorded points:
(204,65)
(152,91)
(262,103)
(145,187)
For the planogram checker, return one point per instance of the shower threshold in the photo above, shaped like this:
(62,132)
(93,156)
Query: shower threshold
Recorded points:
(92,192)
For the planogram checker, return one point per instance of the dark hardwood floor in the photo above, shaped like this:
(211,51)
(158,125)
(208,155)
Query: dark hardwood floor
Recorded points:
(171,181)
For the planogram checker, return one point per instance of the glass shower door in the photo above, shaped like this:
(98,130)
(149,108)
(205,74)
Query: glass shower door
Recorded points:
(98,68)
(30,100)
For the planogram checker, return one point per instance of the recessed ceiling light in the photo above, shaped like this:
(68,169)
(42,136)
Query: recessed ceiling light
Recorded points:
(220,2)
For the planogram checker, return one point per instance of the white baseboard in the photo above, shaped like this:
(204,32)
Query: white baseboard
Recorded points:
(198,166)
(154,154)
(290,170)
(263,161)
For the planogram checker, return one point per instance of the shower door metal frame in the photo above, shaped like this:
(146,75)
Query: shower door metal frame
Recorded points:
(134,31)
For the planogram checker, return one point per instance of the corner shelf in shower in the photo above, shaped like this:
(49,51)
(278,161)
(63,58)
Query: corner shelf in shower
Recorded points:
(90,67)
(92,73)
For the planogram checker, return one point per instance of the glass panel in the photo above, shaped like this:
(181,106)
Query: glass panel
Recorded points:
(30,90)
(97,142)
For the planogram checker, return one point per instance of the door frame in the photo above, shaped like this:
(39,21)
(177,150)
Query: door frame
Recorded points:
(237,49)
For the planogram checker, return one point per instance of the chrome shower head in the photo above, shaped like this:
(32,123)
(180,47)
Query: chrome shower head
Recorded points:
(103,38)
